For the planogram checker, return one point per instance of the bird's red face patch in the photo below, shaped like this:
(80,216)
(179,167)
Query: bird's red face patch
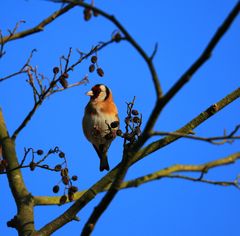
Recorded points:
(96,91)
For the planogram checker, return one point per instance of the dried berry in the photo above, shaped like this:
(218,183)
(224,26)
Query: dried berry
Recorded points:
(100,72)
(58,167)
(65,180)
(61,154)
(73,189)
(32,166)
(117,37)
(70,196)
(55,189)
(136,119)
(63,199)
(55,70)
(95,13)
(119,132)
(64,172)
(65,75)
(94,59)
(74,178)
(63,82)
(87,14)
(135,112)
(39,152)
(114,124)
(91,68)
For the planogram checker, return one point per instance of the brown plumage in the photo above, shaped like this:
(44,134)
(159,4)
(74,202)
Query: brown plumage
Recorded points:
(100,112)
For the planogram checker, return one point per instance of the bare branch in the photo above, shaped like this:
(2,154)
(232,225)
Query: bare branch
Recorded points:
(154,51)
(190,126)
(234,183)
(189,73)
(39,27)
(213,140)
(128,37)
(44,93)
(23,68)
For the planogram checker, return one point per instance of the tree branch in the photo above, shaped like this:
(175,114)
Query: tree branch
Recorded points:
(168,172)
(209,112)
(213,140)
(98,187)
(46,93)
(24,221)
(128,37)
(190,72)
(39,27)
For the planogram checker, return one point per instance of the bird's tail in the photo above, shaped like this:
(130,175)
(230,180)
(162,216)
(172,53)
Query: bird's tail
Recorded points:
(103,158)
(104,163)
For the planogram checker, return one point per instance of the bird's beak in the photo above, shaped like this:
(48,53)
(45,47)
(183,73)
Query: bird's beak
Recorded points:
(89,93)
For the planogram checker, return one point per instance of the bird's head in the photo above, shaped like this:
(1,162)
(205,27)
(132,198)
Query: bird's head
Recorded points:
(99,92)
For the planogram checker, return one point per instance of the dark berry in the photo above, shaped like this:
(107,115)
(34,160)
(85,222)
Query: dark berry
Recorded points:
(135,112)
(117,37)
(94,59)
(100,72)
(58,167)
(119,132)
(87,14)
(63,82)
(55,70)
(91,68)
(114,124)
(39,152)
(65,180)
(74,178)
(32,166)
(136,119)
(64,172)
(55,189)
(63,199)
(61,154)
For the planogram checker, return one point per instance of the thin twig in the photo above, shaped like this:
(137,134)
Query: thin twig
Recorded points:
(224,139)
(23,69)
(189,73)
(128,37)
(39,27)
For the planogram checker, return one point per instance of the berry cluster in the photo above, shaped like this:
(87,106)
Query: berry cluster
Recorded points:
(133,123)
(87,13)
(61,168)
(94,64)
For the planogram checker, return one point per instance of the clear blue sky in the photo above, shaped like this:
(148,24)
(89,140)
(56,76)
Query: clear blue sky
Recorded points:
(182,30)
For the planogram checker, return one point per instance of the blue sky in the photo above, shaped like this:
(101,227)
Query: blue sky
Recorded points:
(182,30)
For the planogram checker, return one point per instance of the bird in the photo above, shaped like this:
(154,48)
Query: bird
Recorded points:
(100,121)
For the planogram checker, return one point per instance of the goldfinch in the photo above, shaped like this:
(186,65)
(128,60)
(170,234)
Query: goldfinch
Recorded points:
(100,121)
